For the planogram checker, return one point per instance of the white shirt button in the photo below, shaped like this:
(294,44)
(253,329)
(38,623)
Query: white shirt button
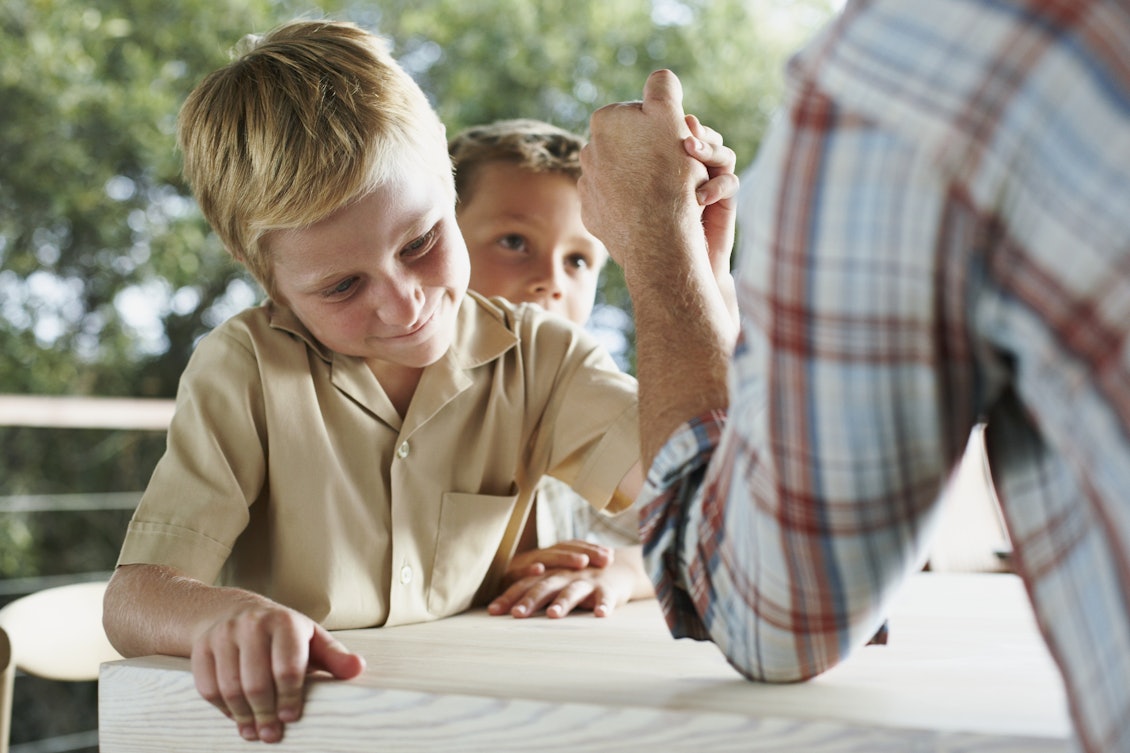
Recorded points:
(402,450)
(405,575)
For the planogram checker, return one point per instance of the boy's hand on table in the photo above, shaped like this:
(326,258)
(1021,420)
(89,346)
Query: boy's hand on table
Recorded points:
(560,591)
(574,554)
(252,666)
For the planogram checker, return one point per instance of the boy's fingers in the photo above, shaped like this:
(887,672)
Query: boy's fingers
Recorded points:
(256,678)
(290,656)
(606,600)
(229,683)
(539,594)
(718,188)
(593,554)
(505,601)
(719,159)
(569,597)
(331,655)
(559,559)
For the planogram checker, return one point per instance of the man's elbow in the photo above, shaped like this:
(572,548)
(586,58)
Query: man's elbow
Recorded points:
(787,658)
(783,671)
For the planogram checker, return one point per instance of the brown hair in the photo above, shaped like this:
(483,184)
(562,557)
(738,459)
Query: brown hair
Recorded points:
(530,144)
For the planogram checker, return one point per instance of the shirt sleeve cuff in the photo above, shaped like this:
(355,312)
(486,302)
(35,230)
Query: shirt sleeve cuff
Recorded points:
(672,489)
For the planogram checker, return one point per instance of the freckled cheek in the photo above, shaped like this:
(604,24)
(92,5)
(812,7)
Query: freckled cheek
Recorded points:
(453,269)
(345,328)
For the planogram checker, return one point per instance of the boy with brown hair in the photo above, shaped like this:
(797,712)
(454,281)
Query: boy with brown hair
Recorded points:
(362,449)
(520,214)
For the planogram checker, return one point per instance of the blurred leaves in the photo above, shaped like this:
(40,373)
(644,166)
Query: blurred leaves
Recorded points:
(91,199)
(108,275)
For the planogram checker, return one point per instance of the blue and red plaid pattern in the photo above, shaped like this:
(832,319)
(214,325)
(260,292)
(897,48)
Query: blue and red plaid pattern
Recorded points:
(937,230)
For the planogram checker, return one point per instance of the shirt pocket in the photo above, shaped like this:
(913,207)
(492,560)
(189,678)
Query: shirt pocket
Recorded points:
(471,527)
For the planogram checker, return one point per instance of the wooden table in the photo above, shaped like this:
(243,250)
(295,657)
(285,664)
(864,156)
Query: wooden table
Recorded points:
(964,670)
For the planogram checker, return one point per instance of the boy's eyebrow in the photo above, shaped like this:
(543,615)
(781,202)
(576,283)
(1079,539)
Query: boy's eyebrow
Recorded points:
(322,281)
(414,229)
(515,215)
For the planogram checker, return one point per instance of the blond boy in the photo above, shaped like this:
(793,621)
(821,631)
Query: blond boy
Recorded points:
(362,449)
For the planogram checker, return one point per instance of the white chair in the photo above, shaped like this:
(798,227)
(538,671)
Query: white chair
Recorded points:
(55,634)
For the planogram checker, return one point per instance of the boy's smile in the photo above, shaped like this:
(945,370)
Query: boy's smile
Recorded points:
(382,278)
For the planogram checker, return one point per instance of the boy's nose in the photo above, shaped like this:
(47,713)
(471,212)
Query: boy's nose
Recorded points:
(399,302)
(546,280)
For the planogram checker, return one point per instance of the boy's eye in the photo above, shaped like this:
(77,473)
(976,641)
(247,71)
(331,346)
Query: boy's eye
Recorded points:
(513,241)
(342,288)
(578,261)
(421,245)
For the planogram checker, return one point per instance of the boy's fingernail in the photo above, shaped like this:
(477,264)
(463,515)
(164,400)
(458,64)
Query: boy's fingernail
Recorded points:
(519,609)
(247,732)
(270,733)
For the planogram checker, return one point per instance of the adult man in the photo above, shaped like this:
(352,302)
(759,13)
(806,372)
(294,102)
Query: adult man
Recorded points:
(936,228)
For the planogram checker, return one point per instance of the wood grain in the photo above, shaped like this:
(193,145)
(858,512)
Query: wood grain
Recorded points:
(965,671)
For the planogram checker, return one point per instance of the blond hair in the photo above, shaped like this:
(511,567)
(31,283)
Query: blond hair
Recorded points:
(532,145)
(305,120)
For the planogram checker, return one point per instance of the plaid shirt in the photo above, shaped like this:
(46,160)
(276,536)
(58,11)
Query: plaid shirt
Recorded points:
(937,229)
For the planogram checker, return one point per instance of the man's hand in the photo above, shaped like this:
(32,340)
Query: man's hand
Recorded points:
(663,206)
(638,182)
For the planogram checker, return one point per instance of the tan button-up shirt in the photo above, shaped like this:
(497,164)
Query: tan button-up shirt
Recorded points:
(288,471)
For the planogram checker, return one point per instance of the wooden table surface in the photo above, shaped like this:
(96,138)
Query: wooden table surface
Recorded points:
(965,670)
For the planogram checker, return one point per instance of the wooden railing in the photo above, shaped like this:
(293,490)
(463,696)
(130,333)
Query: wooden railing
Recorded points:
(85,412)
(65,413)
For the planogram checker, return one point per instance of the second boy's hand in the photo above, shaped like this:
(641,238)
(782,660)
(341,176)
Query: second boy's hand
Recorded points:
(599,588)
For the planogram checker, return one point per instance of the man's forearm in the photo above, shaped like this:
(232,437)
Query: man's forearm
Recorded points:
(685,336)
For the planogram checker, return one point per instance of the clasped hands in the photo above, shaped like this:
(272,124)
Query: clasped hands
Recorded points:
(568,575)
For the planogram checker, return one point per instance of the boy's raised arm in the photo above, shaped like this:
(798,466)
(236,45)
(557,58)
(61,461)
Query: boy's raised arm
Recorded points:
(250,655)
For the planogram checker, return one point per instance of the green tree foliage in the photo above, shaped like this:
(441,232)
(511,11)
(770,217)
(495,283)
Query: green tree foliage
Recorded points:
(91,201)
(95,220)
(561,60)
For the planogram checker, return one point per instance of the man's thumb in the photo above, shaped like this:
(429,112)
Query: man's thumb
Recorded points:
(662,89)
